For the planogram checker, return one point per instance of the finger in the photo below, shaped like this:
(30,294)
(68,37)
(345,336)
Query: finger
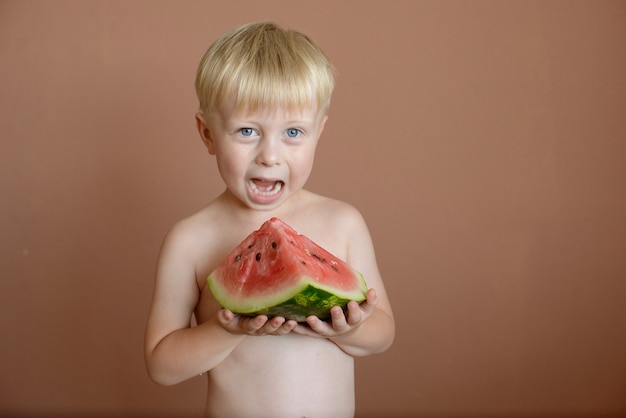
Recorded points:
(286,327)
(371,297)
(302,329)
(338,318)
(370,303)
(354,313)
(253,325)
(225,316)
(273,324)
(317,325)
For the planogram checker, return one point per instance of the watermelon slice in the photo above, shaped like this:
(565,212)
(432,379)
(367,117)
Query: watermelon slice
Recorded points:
(277,272)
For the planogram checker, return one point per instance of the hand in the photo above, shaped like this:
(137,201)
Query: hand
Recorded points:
(340,324)
(255,325)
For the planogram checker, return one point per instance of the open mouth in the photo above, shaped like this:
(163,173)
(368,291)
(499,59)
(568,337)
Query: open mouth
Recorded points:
(264,188)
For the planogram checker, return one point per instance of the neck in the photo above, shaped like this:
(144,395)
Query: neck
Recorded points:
(241,214)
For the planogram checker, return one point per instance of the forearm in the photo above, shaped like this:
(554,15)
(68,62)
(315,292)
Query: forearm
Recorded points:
(188,352)
(372,337)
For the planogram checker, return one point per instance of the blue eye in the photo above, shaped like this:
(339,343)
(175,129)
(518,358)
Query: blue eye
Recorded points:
(246,131)
(293,132)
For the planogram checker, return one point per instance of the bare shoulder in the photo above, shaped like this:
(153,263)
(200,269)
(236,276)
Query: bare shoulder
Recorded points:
(191,241)
(332,223)
(183,236)
(340,214)
(189,230)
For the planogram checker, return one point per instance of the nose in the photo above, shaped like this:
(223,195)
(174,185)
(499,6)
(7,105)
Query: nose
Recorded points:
(268,152)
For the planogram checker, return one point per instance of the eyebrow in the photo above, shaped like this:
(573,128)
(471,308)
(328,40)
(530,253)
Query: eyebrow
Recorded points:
(255,118)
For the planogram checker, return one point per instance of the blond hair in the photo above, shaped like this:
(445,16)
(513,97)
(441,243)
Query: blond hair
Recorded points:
(260,65)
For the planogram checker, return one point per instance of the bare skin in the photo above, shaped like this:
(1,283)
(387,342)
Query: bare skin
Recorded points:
(261,366)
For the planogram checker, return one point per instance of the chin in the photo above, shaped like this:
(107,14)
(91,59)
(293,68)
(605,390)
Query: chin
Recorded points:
(261,207)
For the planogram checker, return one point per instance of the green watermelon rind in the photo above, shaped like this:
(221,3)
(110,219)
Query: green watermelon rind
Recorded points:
(297,302)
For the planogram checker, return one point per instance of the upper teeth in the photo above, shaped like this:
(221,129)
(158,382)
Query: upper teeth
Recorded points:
(271,191)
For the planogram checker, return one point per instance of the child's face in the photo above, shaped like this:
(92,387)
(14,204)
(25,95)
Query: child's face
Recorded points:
(264,157)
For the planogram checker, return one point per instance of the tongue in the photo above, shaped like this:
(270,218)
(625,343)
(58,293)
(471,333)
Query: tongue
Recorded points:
(264,185)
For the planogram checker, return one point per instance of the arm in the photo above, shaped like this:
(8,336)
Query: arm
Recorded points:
(368,328)
(364,330)
(175,351)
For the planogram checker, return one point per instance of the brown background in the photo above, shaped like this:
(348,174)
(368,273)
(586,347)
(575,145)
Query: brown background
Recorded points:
(484,141)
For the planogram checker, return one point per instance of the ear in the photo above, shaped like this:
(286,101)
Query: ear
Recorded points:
(205,133)
(323,124)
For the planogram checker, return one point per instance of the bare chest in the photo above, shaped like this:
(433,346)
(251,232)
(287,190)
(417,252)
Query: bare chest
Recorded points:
(290,375)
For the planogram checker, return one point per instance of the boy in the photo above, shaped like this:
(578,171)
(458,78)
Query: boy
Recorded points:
(264,93)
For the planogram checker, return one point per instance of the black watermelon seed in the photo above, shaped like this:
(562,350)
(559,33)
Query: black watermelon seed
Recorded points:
(238,257)
(258,256)
(274,244)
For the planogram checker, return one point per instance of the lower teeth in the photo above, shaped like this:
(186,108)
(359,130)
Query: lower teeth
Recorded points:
(271,192)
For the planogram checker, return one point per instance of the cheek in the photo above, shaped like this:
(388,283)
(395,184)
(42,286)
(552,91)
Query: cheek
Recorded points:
(230,157)
(227,165)
(304,164)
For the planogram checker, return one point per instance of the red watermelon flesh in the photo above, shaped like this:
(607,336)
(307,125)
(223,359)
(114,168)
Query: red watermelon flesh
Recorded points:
(277,272)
